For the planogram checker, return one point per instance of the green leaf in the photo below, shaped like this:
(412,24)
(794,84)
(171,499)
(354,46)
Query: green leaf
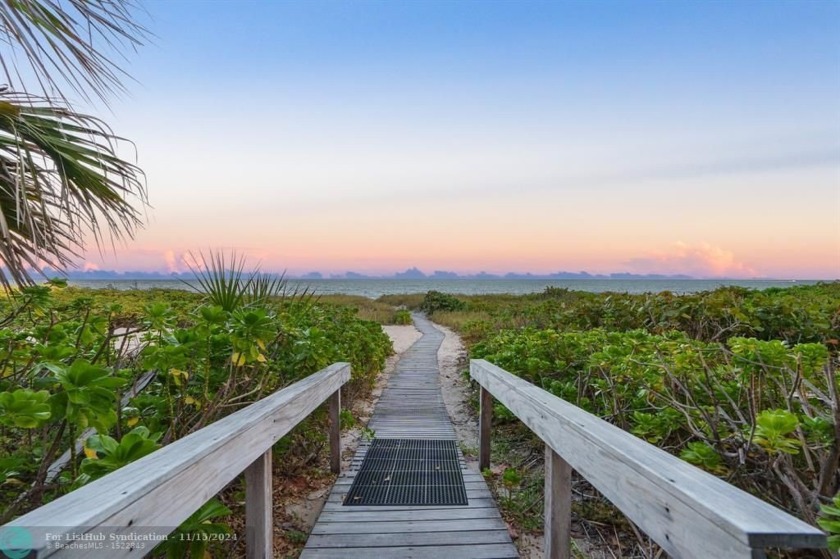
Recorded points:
(703,455)
(112,456)
(773,430)
(90,394)
(829,520)
(24,408)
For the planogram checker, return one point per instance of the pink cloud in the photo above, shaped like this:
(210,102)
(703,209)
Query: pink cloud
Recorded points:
(179,262)
(171,261)
(700,260)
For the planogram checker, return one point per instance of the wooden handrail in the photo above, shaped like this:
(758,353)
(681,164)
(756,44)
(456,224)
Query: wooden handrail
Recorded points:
(151,497)
(687,511)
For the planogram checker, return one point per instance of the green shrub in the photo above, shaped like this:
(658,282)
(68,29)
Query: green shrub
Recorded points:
(402,317)
(724,407)
(64,369)
(437,301)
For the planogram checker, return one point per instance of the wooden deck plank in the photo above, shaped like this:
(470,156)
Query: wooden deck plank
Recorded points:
(477,503)
(471,496)
(411,406)
(470,485)
(391,515)
(490,551)
(408,526)
(409,540)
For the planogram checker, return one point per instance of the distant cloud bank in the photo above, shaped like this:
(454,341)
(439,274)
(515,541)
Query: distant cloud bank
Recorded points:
(414,273)
(703,260)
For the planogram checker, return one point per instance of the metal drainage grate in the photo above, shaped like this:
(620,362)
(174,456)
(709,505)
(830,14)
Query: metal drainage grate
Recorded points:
(409,472)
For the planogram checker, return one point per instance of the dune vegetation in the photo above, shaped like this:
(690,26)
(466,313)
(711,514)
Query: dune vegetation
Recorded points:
(742,383)
(72,358)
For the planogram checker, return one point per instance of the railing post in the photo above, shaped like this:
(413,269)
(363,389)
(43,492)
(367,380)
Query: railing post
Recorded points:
(558,506)
(484,422)
(259,510)
(335,432)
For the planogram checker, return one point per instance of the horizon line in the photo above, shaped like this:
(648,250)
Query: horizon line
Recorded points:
(415,274)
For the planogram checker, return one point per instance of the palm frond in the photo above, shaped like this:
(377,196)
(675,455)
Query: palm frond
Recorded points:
(227,285)
(69,43)
(60,177)
(263,288)
(224,282)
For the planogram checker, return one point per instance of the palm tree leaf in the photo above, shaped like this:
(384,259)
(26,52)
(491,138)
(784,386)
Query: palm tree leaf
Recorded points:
(60,176)
(56,40)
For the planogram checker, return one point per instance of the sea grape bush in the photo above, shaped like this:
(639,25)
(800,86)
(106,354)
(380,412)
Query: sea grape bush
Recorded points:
(740,383)
(738,408)
(69,357)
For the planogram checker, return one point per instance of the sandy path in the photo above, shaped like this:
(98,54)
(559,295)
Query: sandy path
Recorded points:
(453,360)
(402,337)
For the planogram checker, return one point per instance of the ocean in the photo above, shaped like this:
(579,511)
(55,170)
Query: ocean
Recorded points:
(374,288)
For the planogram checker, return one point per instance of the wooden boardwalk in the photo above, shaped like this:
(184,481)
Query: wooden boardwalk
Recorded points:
(411,407)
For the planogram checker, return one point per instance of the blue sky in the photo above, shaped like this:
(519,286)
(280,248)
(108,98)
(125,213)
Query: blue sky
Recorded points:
(670,137)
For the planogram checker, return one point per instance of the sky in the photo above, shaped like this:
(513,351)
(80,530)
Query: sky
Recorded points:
(674,137)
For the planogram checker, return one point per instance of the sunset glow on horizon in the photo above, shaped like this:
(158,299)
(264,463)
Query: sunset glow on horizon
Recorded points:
(648,137)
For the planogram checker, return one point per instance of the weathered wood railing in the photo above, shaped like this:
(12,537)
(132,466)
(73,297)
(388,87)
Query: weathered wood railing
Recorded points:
(687,511)
(132,509)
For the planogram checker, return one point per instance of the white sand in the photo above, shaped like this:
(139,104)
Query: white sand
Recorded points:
(403,337)
(453,360)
